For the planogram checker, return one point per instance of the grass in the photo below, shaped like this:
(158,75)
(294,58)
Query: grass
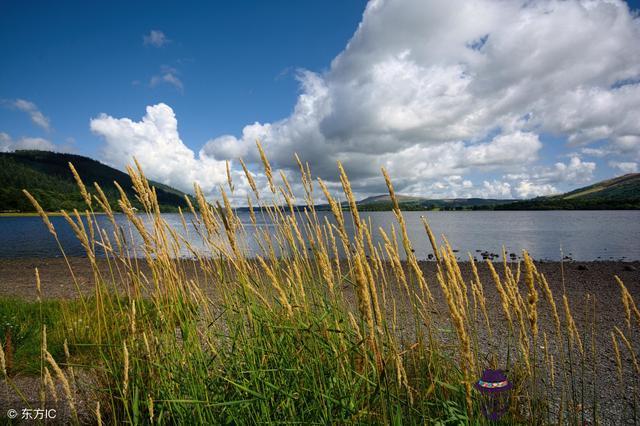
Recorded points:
(21,330)
(301,334)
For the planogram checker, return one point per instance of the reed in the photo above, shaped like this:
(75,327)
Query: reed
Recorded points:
(308,330)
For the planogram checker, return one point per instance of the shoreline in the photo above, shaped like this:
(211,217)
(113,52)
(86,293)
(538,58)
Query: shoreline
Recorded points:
(17,275)
(320,208)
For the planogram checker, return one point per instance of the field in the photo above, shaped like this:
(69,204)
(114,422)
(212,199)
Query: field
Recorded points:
(303,335)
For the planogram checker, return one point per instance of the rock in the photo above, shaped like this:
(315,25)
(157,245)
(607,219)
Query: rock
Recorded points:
(582,268)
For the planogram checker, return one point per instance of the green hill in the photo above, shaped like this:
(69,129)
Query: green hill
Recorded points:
(46,175)
(619,193)
(383,202)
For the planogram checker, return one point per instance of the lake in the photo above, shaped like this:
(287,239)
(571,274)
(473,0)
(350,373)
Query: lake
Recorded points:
(580,235)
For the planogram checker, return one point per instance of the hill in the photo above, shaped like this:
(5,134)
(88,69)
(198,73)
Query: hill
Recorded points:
(383,202)
(620,193)
(48,178)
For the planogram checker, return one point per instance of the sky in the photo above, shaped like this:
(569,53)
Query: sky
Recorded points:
(474,98)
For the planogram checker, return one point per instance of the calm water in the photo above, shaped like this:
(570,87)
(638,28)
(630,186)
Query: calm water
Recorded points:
(582,235)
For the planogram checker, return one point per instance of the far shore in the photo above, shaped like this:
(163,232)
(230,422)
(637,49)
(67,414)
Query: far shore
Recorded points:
(32,214)
(325,208)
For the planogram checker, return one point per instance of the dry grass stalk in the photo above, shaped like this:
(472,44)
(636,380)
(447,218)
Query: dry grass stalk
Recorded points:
(468,359)
(98,414)
(480,293)
(532,296)
(364,299)
(432,239)
(151,413)
(504,298)
(41,212)
(275,283)
(571,324)
(3,362)
(83,189)
(125,369)
(353,206)
(550,299)
(285,181)
(103,202)
(628,303)
(48,381)
(38,286)
(229,180)
(548,359)
(252,183)
(267,167)
(616,349)
(629,348)
(65,383)
(67,357)
(406,242)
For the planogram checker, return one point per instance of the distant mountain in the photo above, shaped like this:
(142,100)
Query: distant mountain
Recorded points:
(619,193)
(385,198)
(46,175)
(383,202)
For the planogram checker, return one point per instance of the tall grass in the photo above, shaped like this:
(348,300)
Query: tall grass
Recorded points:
(322,326)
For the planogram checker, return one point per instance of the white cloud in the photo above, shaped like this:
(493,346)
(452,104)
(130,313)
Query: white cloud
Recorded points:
(596,152)
(167,75)
(422,85)
(442,88)
(536,182)
(625,166)
(456,186)
(495,189)
(37,117)
(527,189)
(545,180)
(8,144)
(155,38)
(576,171)
(155,142)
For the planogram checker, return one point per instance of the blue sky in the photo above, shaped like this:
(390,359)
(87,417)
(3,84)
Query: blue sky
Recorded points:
(237,61)
(395,96)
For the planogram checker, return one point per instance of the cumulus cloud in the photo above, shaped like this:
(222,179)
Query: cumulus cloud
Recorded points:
(527,189)
(538,181)
(625,166)
(167,75)
(37,117)
(8,144)
(546,180)
(427,82)
(155,38)
(445,88)
(576,171)
(456,186)
(155,142)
